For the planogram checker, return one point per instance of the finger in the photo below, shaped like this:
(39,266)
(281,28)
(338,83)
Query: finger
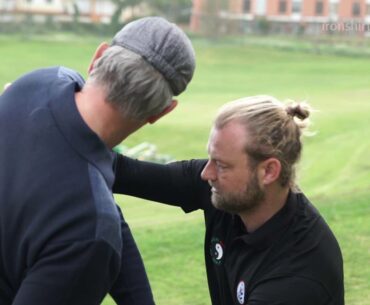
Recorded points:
(7,85)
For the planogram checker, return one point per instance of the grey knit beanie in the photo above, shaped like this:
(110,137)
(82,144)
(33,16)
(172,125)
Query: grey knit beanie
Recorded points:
(164,45)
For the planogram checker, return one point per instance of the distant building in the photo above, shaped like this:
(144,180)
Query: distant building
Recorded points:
(286,16)
(89,11)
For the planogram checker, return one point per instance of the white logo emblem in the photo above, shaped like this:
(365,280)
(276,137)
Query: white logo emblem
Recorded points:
(240,292)
(217,250)
(220,251)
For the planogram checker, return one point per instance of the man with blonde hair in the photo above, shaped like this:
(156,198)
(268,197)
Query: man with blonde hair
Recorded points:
(265,242)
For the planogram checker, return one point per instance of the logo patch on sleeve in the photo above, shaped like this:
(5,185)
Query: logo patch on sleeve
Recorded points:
(240,292)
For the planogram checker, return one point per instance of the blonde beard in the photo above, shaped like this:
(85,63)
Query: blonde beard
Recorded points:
(240,202)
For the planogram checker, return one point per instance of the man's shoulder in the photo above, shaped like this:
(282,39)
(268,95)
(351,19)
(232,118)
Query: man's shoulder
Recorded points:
(311,250)
(37,77)
(70,75)
(310,224)
(47,75)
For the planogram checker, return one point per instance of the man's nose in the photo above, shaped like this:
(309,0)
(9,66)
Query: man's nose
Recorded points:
(209,172)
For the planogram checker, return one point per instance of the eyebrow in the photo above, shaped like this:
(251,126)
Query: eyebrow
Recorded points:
(217,159)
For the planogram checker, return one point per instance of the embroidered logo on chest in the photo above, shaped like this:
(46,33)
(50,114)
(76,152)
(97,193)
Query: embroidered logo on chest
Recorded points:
(240,292)
(217,250)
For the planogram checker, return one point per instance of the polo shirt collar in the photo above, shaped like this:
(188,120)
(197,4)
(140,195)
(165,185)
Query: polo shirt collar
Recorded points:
(269,232)
(79,135)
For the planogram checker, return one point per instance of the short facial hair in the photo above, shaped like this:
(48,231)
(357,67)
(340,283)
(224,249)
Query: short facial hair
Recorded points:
(242,202)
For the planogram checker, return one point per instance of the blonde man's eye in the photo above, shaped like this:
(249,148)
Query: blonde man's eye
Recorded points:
(221,166)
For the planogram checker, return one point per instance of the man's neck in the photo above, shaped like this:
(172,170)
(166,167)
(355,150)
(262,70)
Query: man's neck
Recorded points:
(274,200)
(102,117)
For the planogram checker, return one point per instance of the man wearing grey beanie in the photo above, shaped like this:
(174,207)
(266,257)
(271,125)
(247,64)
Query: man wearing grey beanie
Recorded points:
(63,239)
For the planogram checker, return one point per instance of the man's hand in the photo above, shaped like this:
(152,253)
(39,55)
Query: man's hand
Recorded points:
(6,86)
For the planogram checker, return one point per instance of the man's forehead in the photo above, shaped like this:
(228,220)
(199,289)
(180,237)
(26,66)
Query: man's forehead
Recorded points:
(227,139)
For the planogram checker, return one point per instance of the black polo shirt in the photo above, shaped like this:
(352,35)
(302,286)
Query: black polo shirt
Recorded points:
(292,259)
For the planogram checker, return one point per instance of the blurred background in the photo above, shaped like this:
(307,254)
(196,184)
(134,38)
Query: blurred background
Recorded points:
(313,50)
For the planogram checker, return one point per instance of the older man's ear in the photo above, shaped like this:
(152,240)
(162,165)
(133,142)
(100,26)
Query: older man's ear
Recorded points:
(168,109)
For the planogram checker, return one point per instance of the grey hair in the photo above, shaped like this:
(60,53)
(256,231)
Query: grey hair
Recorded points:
(275,129)
(131,83)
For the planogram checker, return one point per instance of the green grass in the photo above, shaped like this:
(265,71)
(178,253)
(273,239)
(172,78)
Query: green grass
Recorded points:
(334,171)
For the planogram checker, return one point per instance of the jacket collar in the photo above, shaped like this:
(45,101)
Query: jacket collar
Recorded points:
(79,135)
(269,232)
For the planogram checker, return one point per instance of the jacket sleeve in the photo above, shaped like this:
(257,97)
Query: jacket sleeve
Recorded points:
(176,183)
(132,284)
(70,273)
